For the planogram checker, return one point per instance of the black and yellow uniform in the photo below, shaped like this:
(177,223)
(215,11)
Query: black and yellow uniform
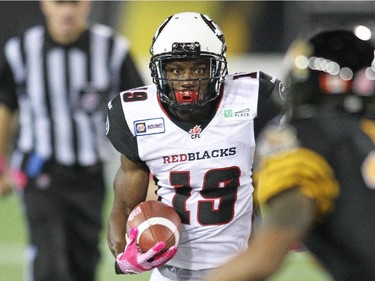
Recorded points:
(330,157)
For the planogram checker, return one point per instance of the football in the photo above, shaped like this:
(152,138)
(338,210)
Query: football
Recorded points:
(156,222)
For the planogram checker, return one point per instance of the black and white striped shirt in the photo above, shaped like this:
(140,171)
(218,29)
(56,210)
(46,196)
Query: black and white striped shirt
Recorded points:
(61,92)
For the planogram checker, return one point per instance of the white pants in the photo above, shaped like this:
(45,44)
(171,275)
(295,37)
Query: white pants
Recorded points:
(170,273)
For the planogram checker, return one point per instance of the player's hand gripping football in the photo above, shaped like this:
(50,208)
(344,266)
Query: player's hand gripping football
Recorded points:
(132,261)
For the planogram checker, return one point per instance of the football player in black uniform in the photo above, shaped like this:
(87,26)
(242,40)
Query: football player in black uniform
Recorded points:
(316,171)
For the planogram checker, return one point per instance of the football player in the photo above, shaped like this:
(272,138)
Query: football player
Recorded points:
(316,171)
(195,131)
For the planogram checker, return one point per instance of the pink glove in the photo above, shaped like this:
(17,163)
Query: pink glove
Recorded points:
(132,261)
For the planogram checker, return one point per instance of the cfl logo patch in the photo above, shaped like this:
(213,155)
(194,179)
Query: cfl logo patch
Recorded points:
(195,133)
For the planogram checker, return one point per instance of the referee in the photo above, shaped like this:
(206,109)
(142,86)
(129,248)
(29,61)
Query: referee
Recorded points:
(55,84)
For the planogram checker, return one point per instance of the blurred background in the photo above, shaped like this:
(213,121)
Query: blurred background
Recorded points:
(257,34)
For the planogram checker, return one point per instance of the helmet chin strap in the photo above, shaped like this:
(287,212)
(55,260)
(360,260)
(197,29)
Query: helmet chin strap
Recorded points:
(187,96)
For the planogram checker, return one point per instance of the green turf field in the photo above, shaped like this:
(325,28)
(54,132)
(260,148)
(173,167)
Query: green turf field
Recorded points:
(298,267)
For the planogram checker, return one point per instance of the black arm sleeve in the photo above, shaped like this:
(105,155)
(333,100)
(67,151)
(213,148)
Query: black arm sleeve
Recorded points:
(268,101)
(130,76)
(119,133)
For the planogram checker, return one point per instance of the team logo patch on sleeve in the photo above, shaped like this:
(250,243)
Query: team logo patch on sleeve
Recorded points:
(149,126)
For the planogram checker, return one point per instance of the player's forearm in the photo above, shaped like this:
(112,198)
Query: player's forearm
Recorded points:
(240,269)
(118,216)
(260,261)
(130,188)
(116,233)
(286,221)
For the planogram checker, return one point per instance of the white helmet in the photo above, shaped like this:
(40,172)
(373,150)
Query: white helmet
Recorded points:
(183,36)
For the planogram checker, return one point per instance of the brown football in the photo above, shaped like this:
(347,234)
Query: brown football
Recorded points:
(156,222)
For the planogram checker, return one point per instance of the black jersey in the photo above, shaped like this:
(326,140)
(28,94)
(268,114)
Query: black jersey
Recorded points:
(331,158)
(61,92)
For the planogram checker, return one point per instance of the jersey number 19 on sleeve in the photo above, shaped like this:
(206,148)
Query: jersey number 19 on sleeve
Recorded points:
(134,96)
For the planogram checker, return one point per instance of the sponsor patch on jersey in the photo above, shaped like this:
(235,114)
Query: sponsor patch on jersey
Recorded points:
(238,113)
(149,126)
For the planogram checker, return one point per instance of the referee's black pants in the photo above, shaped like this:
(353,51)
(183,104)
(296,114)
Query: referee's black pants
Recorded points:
(64,214)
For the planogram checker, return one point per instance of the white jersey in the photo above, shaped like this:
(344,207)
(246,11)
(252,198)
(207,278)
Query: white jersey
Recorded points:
(205,174)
